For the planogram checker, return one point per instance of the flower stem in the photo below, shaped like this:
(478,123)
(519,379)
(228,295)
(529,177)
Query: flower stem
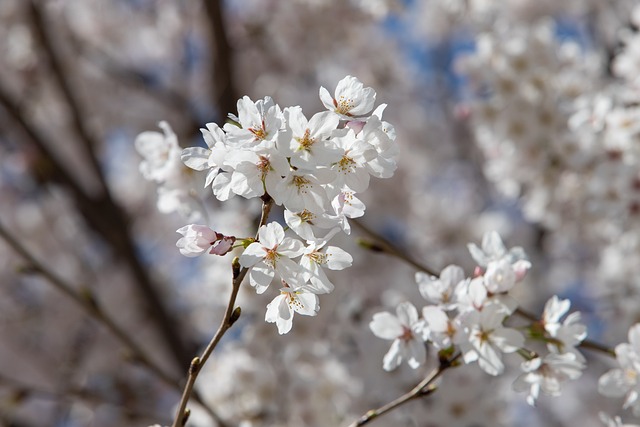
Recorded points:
(424,388)
(231,314)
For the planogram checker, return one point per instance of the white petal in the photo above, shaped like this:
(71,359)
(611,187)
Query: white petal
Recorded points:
(196,158)
(393,357)
(252,255)
(386,326)
(407,313)
(261,276)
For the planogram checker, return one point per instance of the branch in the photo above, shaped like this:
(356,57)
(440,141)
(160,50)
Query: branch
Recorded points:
(61,77)
(424,388)
(223,88)
(87,302)
(385,246)
(231,315)
(105,217)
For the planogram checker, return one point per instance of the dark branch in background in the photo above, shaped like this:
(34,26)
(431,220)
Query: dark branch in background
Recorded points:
(224,95)
(128,76)
(62,77)
(84,298)
(101,211)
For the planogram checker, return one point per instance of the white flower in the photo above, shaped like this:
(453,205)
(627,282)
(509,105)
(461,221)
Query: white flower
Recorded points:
(351,98)
(161,153)
(347,205)
(502,274)
(442,329)
(351,168)
(471,295)
(494,250)
(441,290)
(200,238)
(624,381)
(381,136)
(570,333)
(317,256)
(407,332)
(272,253)
(261,122)
(309,146)
(255,171)
(291,300)
(486,339)
(305,224)
(547,375)
(300,191)
(200,159)
(181,201)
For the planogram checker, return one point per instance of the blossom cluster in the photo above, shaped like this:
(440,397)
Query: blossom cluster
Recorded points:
(468,315)
(313,167)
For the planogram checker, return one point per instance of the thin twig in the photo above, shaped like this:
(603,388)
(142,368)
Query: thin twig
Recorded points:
(385,246)
(424,388)
(231,315)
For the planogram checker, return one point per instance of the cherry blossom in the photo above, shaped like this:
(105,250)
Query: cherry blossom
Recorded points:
(486,339)
(200,238)
(300,300)
(316,256)
(548,374)
(351,98)
(408,333)
(272,253)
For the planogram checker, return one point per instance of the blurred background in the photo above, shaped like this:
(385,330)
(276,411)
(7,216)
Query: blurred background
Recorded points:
(518,116)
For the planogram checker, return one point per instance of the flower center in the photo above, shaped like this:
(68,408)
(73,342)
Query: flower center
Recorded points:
(344,105)
(271,256)
(346,165)
(306,216)
(264,166)
(302,183)
(260,133)
(318,257)
(306,141)
(407,334)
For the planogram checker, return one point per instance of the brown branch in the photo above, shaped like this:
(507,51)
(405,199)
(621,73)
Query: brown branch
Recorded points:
(424,388)
(61,76)
(224,95)
(85,299)
(104,216)
(385,246)
(231,315)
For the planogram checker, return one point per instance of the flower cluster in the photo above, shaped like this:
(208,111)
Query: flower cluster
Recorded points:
(313,167)
(468,314)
